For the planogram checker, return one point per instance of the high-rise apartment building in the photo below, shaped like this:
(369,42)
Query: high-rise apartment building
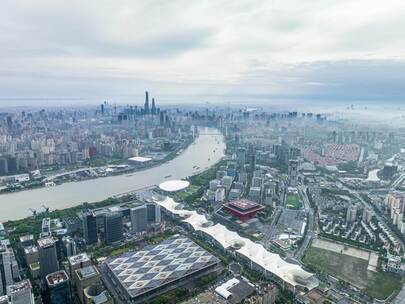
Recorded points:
(113,227)
(48,257)
(139,218)
(89,227)
(58,288)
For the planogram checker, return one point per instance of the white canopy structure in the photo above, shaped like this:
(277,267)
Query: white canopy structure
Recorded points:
(140,159)
(222,290)
(174,185)
(290,273)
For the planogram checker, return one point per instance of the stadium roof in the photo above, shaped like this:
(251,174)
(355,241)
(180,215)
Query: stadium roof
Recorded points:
(290,273)
(174,185)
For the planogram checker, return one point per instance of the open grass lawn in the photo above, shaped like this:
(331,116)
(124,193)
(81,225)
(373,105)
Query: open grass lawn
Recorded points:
(182,195)
(378,285)
(293,202)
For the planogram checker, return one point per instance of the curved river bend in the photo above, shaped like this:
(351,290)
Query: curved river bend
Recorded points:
(207,149)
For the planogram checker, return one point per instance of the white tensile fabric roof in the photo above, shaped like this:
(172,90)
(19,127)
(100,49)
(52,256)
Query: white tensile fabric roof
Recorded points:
(290,273)
(174,185)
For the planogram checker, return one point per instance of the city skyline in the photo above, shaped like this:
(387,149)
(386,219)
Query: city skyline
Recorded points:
(245,52)
(198,152)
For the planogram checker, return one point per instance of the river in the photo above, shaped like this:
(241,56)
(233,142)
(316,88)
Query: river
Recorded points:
(207,149)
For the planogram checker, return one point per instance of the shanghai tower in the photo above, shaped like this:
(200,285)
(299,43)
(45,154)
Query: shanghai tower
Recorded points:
(146,102)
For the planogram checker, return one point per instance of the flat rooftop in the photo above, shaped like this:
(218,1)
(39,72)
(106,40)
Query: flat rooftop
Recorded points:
(25,238)
(87,272)
(158,265)
(236,290)
(79,258)
(56,278)
(46,222)
(30,249)
(20,286)
(46,242)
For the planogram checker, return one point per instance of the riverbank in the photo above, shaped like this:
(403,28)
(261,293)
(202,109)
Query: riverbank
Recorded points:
(66,177)
(207,150)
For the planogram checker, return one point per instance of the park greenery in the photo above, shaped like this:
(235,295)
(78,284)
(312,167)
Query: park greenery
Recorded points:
(203,179)
(32,225)
(293,202)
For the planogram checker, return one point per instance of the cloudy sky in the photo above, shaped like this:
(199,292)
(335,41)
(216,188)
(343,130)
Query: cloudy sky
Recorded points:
(193,51)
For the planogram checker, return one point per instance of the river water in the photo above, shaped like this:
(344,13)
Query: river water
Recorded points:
(207,149)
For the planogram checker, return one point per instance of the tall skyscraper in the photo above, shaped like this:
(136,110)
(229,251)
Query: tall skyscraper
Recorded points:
(69,246)
(3,166)
(9,122)
(241,157)
(90,227)
(21,293)
(293,173)
(6,268)
(48,258)
(252,161)
(58,288)
(153,213)
(153,106)
(76,262)
(146,109)
(139,218)
(113,227)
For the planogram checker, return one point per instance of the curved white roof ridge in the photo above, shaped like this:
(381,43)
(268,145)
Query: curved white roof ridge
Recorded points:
(271,262)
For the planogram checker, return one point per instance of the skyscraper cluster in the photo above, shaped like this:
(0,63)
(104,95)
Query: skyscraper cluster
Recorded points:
(140,216)
(150,110)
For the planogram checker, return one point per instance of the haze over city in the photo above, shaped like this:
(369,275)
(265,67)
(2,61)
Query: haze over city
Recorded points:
(255,52)
(202,152)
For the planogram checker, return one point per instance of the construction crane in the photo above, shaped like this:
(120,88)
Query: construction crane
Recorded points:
(34,212)
(45,208)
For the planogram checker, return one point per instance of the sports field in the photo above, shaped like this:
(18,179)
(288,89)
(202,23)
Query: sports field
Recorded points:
(293,202)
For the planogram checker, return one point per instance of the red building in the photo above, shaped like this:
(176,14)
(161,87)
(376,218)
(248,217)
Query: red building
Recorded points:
(243,208)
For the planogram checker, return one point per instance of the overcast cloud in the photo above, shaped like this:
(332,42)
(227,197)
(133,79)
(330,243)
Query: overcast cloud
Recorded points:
(184,50)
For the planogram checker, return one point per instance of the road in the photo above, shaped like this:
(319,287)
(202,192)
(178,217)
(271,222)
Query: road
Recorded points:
(310,232)
(57,175)
(379,216)
(398,181)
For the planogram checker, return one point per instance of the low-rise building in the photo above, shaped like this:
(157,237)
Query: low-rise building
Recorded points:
(394,264)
